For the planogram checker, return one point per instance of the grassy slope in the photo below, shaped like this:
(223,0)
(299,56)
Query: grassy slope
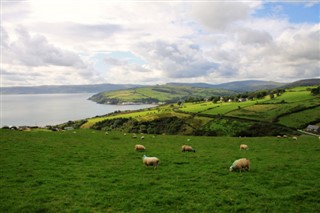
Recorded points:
(93,172)
(265,109)
(163,93)
(294,113)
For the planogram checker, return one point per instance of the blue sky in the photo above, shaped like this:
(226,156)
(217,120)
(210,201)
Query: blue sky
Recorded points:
(150,42)
(294,12)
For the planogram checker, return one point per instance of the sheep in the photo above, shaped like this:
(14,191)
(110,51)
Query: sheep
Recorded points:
(187,148)
(139,147)
(142,137)
(240,164)
(294,138)
(134,136)
(150,161)
(244,146)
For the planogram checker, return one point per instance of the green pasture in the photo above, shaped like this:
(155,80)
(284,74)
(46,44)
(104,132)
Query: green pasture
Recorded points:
(293,95)
(89,171)
(301,119)
(269,112)
(215,108)
(163,96)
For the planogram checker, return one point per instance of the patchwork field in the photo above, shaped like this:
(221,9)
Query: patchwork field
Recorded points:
(86,171)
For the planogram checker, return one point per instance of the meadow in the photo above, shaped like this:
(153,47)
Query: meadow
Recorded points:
(89,171)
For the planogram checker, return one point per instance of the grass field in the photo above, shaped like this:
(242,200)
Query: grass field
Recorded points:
(88,171)
(295,120)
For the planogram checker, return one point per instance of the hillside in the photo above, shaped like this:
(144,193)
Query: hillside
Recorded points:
(274,114)
(157,94)
(305,82)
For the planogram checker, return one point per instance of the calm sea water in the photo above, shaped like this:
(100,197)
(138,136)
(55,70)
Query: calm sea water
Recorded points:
(51,109)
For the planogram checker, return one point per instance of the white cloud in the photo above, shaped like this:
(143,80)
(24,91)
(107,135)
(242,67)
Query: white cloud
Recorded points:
(219,15)
(55,42)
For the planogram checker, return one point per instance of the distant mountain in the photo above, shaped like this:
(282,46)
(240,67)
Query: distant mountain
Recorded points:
(250,85)
(237,86)
(96,88)
(305,82)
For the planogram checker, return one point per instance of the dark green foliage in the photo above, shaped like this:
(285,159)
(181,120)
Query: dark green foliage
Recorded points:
(315,91)
(260,129)
(110,124)
(168,125)
(225,127)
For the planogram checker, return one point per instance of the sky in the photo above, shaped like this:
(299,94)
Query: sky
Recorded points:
(46,42)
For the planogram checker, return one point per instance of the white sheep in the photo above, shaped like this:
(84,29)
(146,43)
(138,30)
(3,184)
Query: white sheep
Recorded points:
(294,138)
(139,147)
(187,148)
(142,137)
(150,161)
(244,146)
(240,164)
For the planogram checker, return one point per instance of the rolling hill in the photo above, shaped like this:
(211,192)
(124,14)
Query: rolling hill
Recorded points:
(280,114)
(157,94)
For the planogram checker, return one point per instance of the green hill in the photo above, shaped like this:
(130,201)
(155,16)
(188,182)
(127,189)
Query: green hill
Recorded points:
(273,114)
(156,94)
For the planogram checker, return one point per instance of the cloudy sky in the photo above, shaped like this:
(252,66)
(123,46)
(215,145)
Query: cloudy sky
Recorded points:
(154,42)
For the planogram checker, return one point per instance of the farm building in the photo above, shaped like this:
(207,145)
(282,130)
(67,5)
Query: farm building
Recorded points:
(313,128)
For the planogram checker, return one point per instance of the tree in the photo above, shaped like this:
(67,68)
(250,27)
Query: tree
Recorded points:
(315,91)
(271,96)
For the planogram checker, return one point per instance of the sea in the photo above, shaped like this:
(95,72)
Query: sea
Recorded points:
(52,109)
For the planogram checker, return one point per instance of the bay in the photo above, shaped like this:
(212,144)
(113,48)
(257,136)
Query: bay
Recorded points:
(52,109)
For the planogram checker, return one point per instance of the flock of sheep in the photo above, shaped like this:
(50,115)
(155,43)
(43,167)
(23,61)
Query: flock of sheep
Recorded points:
(239,165)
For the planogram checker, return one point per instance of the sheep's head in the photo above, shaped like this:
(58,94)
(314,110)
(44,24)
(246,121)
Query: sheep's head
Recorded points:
(144,156)
(231,169)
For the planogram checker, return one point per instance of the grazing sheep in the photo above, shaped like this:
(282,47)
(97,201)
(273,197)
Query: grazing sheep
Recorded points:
(150,161)
(284,136)
(142,137)
(187,148)
(240,164)
(294,138)
(279,136)
(139,147)
(244,146)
